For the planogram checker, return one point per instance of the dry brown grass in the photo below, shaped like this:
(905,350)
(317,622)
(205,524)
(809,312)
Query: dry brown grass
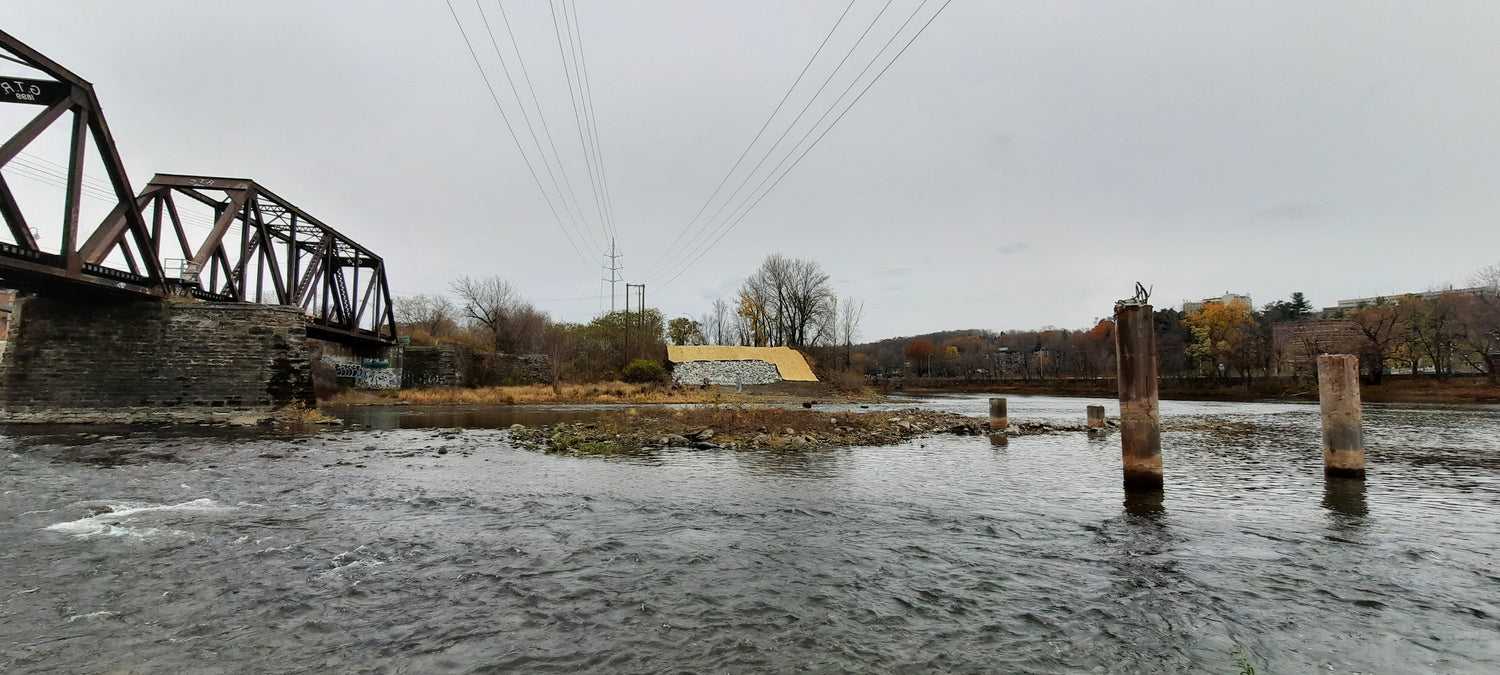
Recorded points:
(601,392)
(598,392)
(750,418)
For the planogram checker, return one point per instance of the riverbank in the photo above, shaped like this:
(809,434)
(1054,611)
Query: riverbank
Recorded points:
(610,392)
(1392,389)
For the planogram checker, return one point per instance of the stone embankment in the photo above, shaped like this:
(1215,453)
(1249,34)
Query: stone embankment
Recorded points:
(727,372)
(757,429)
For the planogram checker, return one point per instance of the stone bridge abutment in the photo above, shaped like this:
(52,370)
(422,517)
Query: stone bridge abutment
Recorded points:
(100,360)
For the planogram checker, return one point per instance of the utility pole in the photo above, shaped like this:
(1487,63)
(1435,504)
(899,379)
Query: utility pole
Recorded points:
(640,319)
(614,272)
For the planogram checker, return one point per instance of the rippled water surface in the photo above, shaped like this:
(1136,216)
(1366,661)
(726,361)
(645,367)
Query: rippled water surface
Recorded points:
(424,550)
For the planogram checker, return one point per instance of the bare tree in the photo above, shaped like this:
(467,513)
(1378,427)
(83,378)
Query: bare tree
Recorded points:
(797,300)
(850,315)
(1380,324)
(557,342)
(720,326)
(492,305)
(430,313)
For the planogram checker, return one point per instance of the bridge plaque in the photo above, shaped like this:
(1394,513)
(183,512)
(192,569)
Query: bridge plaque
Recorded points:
(35,92)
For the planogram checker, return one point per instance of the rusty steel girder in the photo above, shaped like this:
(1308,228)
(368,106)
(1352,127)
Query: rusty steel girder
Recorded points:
(260,248)
(24,263)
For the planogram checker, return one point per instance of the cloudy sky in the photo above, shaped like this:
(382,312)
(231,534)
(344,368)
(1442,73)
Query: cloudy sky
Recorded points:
(1021,164)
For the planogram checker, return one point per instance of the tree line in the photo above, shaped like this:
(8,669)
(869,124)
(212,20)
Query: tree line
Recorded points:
(1438,333)
(784,302)
(490,316)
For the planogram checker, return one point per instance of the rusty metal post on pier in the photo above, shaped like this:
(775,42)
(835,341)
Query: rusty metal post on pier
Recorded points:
(998,419)
(1343,436)
(1140,423)
(1096,417)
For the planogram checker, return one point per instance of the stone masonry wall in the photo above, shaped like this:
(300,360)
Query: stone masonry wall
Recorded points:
(463,366)
(727,372)
(438,366)
(71,356)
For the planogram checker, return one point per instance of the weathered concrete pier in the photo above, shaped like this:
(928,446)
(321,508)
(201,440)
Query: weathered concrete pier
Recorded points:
(1343,432)
(999,421)
(1140,420)
(1096,417)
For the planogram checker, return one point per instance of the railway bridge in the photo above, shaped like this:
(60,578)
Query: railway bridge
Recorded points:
(197,293)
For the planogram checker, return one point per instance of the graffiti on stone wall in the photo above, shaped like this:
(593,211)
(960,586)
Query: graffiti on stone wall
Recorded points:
(369,378)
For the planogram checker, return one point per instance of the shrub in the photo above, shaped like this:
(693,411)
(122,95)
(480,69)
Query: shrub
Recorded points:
(847,380)
(643,370)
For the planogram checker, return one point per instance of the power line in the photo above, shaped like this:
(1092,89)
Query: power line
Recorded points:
(100,189)
(36,170)
(593,121)
(546,129)
(729,225)
(517,140)
(667,260)
(751,200)
(526,117)
(570,74)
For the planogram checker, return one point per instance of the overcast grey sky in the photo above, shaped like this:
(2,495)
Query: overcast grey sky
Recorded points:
(1023,163)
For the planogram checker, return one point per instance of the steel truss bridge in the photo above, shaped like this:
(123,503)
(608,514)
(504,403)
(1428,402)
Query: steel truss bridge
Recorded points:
(218,239)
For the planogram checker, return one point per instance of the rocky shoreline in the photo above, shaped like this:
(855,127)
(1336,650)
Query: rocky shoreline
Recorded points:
(740,428)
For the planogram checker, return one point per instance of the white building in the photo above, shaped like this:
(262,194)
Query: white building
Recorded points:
(1189,306)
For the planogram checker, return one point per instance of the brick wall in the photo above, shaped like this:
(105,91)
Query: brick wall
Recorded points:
(90,355)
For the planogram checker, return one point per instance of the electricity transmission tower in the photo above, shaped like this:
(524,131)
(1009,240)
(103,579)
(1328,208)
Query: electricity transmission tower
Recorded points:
(614,272)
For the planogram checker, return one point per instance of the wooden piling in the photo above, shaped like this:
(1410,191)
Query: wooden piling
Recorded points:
(1140,420)
(1096,417)
(1343,435)
(998,419)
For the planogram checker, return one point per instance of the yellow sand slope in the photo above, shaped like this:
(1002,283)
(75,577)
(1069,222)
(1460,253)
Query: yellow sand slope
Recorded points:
(789,361)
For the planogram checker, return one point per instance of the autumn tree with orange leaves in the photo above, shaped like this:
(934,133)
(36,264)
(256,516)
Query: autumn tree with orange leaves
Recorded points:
(919,350)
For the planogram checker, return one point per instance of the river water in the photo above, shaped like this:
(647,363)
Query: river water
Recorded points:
(432,550)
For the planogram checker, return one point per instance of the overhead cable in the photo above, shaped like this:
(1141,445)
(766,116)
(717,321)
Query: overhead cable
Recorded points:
(729,225)
(692,241)
(594,251)
(519,148)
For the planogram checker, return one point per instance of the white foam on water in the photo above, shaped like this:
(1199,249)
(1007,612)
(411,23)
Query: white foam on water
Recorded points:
(95,615)
(110,522)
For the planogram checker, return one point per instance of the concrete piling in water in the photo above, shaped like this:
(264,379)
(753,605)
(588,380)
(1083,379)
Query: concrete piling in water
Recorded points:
(1096,417)
(1140,421)
(998,419)
(1343,435)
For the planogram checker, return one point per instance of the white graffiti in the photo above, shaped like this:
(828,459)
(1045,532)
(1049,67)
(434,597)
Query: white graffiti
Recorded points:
(369,378)
(380,378)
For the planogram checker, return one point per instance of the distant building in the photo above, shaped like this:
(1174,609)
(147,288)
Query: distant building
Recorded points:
(1298,342)
(1426,295)
(1189,307)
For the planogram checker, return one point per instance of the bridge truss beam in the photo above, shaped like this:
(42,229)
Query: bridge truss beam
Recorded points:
(26,263)
(260,248)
